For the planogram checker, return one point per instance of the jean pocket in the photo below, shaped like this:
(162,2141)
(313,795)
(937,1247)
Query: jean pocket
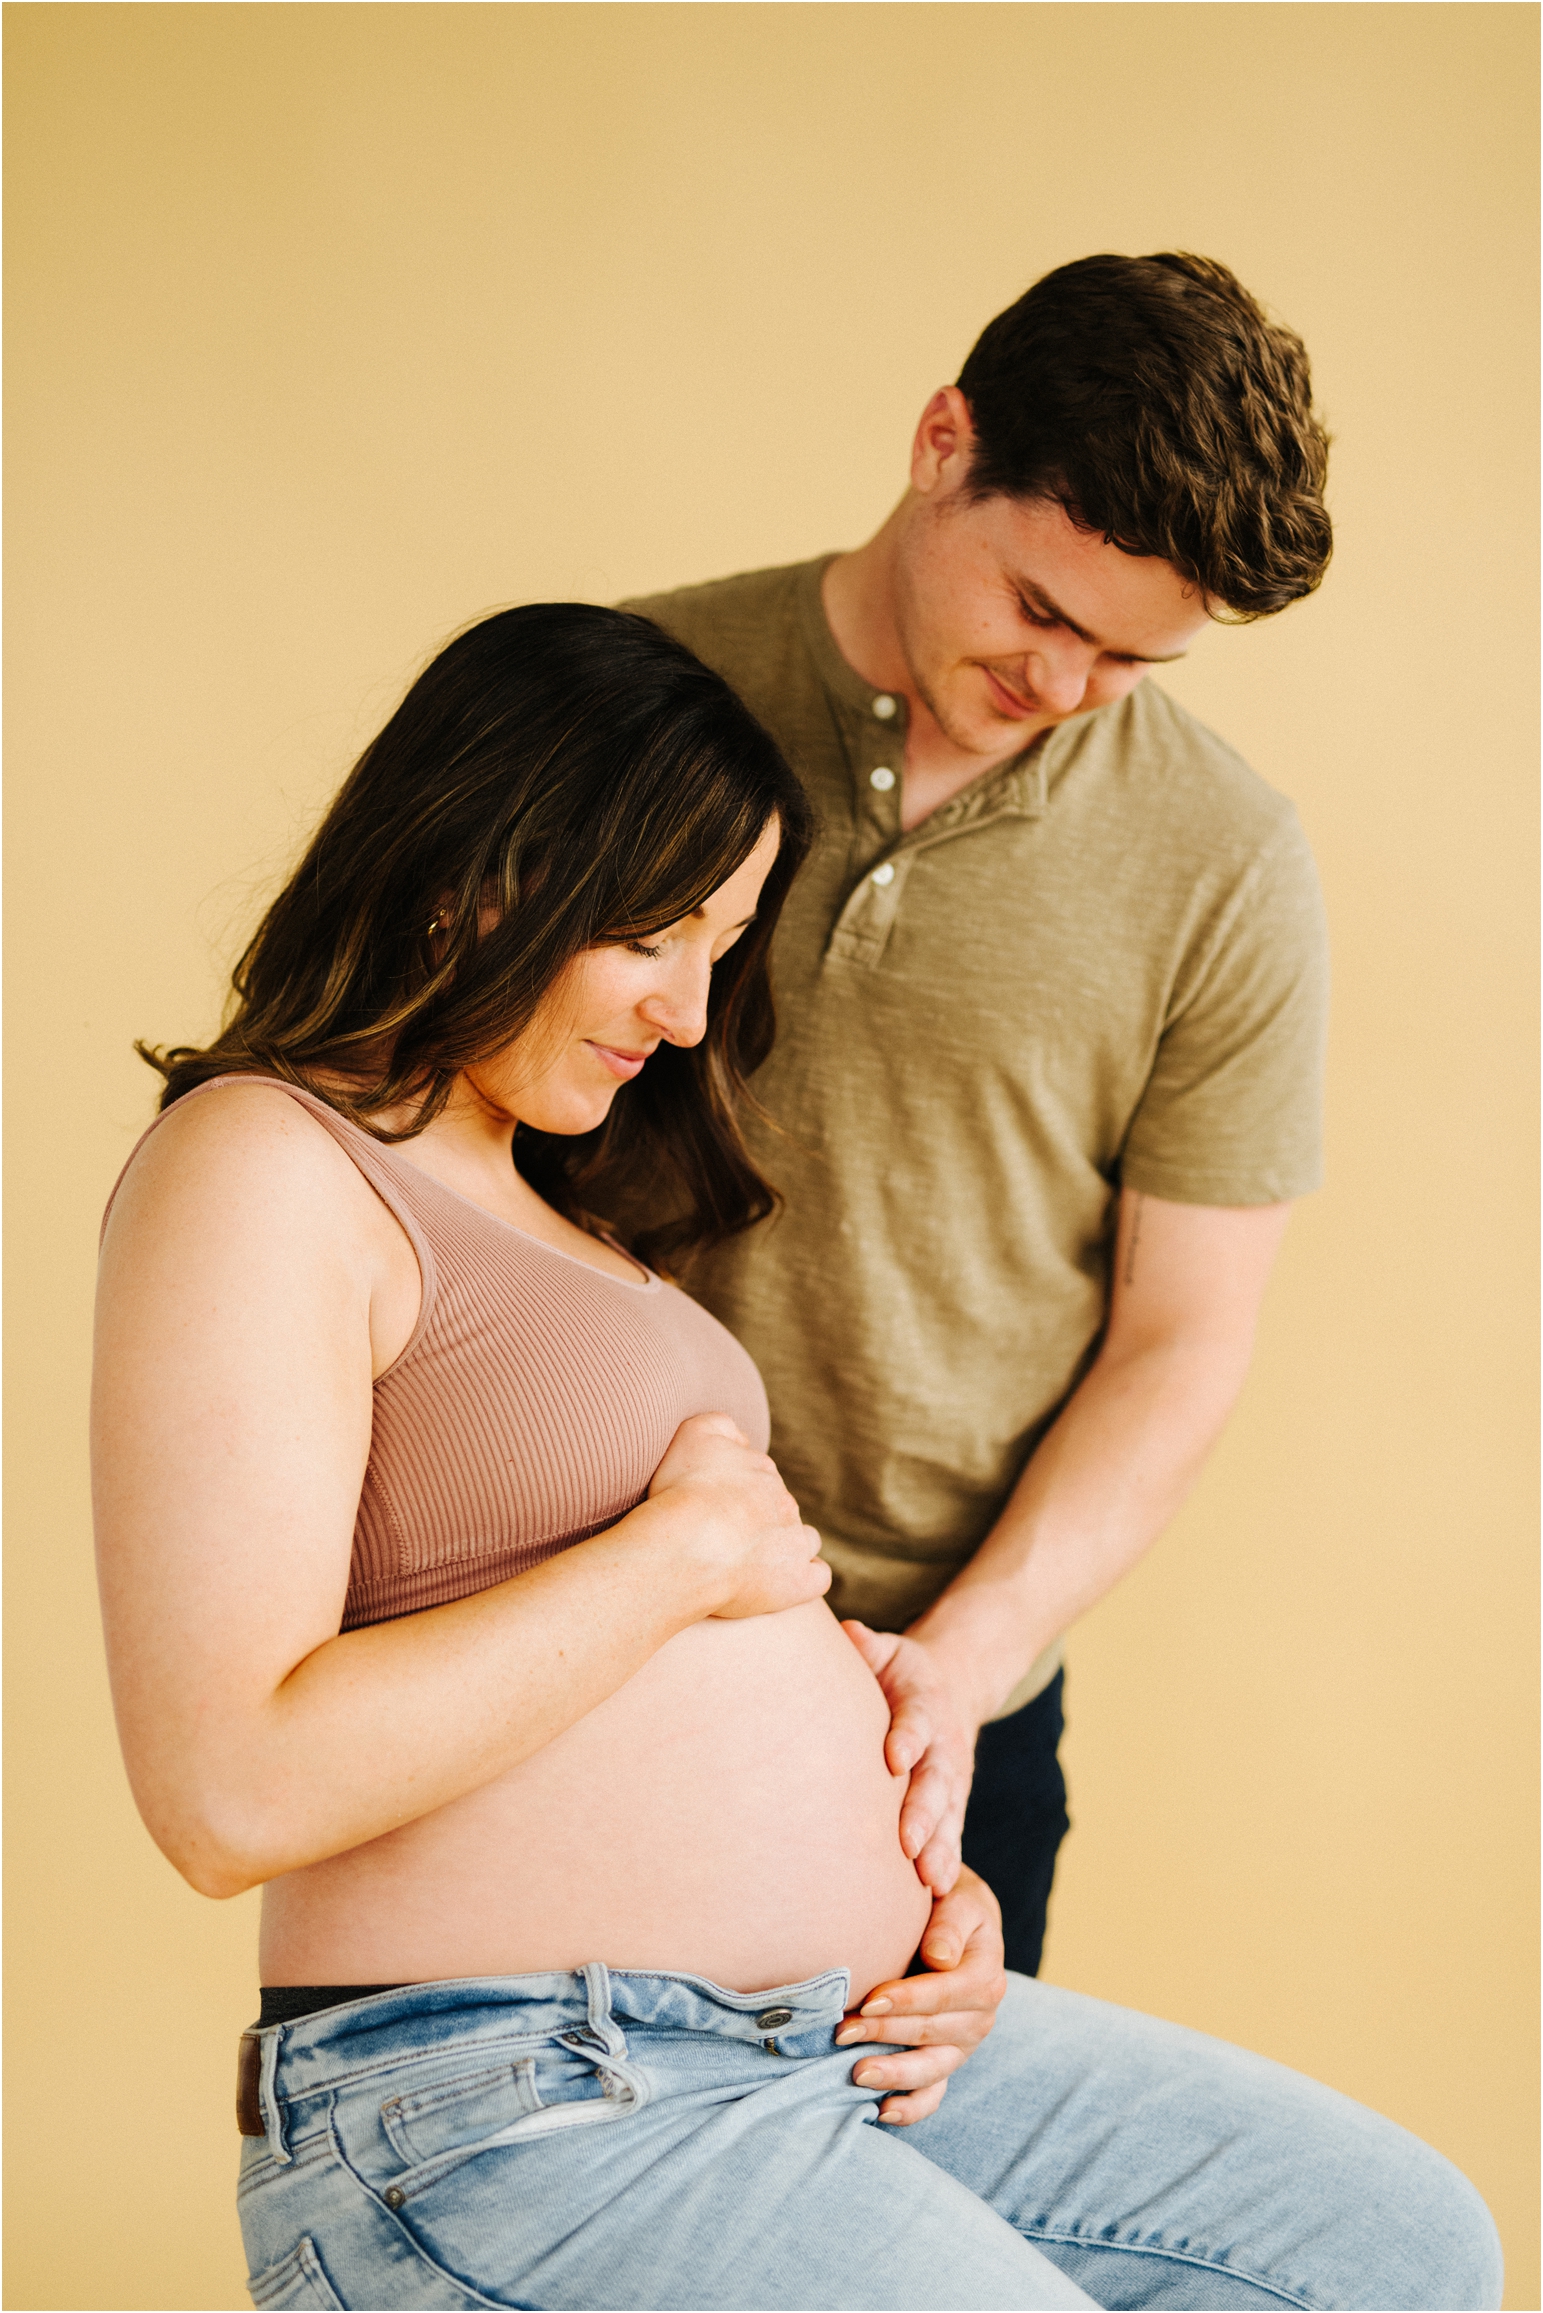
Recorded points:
(426,2122)
(444,2114)
(297,2280)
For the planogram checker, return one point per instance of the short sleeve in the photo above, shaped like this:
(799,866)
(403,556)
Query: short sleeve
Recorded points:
(1232,1110)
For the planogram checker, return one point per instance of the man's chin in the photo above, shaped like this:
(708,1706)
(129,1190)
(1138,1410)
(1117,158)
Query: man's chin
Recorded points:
(991,736)
(978,727)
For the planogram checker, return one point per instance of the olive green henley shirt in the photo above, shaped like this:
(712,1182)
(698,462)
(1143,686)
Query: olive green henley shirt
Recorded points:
(1103,963)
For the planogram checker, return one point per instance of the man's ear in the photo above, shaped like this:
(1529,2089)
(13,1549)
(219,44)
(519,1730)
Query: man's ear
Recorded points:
(944,444)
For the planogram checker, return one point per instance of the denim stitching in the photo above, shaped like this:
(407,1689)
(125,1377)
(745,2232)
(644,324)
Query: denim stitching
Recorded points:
(399,2114)
(1037,2233)
(547,2121)
(440,2272)
(719,1997)
(531,2042)
(263,2170)
(596,1981)
(590,2113)
(269,2102)
(597,1986)
(302,2261)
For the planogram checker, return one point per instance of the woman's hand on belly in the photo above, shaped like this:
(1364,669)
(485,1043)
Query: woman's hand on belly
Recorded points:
(734,1515)
(945,2014)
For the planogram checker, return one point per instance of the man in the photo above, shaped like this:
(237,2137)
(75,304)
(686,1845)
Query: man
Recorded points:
(1050,1010)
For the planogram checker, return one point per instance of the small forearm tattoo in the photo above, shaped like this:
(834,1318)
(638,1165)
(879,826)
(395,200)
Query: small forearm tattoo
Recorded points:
(1137,1201)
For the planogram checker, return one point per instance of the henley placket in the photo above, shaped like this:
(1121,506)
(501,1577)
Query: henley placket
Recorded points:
(882,853)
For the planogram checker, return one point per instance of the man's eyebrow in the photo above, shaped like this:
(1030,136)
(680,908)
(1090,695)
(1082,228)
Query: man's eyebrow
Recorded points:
(1052,609)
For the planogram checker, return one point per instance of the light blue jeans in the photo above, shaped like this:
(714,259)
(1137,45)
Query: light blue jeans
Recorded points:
(615,2140)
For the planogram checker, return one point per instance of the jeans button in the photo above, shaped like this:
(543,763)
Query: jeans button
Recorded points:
(771,2019)
(393,2196)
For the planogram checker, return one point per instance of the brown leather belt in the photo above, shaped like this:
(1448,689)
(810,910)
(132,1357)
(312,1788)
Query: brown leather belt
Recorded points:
(249,2072)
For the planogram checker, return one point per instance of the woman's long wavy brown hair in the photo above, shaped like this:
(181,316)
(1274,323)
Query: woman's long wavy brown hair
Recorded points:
(559,777)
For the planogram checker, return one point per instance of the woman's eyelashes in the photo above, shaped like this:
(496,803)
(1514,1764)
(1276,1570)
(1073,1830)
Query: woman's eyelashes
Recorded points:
(654,951)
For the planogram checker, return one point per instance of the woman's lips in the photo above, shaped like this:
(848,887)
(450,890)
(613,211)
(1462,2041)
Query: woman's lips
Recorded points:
(1008,702)
(624,1064)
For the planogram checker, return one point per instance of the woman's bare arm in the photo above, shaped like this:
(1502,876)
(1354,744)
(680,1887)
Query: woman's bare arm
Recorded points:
(247,1278)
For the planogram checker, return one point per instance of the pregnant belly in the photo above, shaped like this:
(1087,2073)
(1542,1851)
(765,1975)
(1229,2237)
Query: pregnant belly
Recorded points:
(727,1813)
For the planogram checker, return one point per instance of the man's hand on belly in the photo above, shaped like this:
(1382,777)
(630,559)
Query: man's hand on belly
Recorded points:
(944,2014)
(932,1740)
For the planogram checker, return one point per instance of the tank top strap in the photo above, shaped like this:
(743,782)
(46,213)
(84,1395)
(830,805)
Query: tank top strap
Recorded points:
(368,1154)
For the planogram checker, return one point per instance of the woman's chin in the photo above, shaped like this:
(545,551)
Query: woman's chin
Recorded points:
(573,1114)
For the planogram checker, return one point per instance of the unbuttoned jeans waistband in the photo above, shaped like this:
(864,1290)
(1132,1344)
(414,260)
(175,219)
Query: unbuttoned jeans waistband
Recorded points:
(588,2007)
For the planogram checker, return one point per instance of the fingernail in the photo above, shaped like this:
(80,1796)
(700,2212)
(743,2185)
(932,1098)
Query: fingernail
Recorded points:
(867,2077)
(942,1955)
(850,2032)
(875,2007)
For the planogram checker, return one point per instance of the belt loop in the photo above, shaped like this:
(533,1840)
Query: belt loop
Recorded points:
(268,2095)
(597,1983)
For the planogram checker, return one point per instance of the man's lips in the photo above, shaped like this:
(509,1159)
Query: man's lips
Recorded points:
(1008,702)
(616,1057)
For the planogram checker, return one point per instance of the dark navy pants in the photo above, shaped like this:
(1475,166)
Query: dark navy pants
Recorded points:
(1017,1819)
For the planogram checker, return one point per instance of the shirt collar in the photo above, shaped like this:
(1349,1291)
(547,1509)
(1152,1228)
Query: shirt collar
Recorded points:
(842,680)
(1017,786)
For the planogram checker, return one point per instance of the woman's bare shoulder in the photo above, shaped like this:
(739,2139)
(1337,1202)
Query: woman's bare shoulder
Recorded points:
(242,1196)
(244,1153)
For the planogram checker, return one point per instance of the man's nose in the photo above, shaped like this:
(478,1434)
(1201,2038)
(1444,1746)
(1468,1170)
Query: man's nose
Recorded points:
(1059,679)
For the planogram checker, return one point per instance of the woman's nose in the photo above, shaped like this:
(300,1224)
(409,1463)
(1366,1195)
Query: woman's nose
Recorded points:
(678,1008)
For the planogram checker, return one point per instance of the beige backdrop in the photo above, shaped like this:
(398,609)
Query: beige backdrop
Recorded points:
(333,325)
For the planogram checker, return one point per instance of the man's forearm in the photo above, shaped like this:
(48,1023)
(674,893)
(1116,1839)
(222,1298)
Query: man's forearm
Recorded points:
(1186,1284)
(1104,1482)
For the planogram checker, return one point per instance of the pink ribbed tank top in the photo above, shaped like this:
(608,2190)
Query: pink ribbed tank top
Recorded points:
(532,1404)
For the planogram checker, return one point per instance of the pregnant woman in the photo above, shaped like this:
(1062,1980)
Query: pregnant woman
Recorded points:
(450,1595)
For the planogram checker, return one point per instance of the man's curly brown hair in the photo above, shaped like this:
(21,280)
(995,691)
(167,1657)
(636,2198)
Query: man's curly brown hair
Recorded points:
(1153,399)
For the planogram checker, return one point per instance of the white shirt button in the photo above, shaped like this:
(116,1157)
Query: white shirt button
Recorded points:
(884,706)
(883,779)
(884,874)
